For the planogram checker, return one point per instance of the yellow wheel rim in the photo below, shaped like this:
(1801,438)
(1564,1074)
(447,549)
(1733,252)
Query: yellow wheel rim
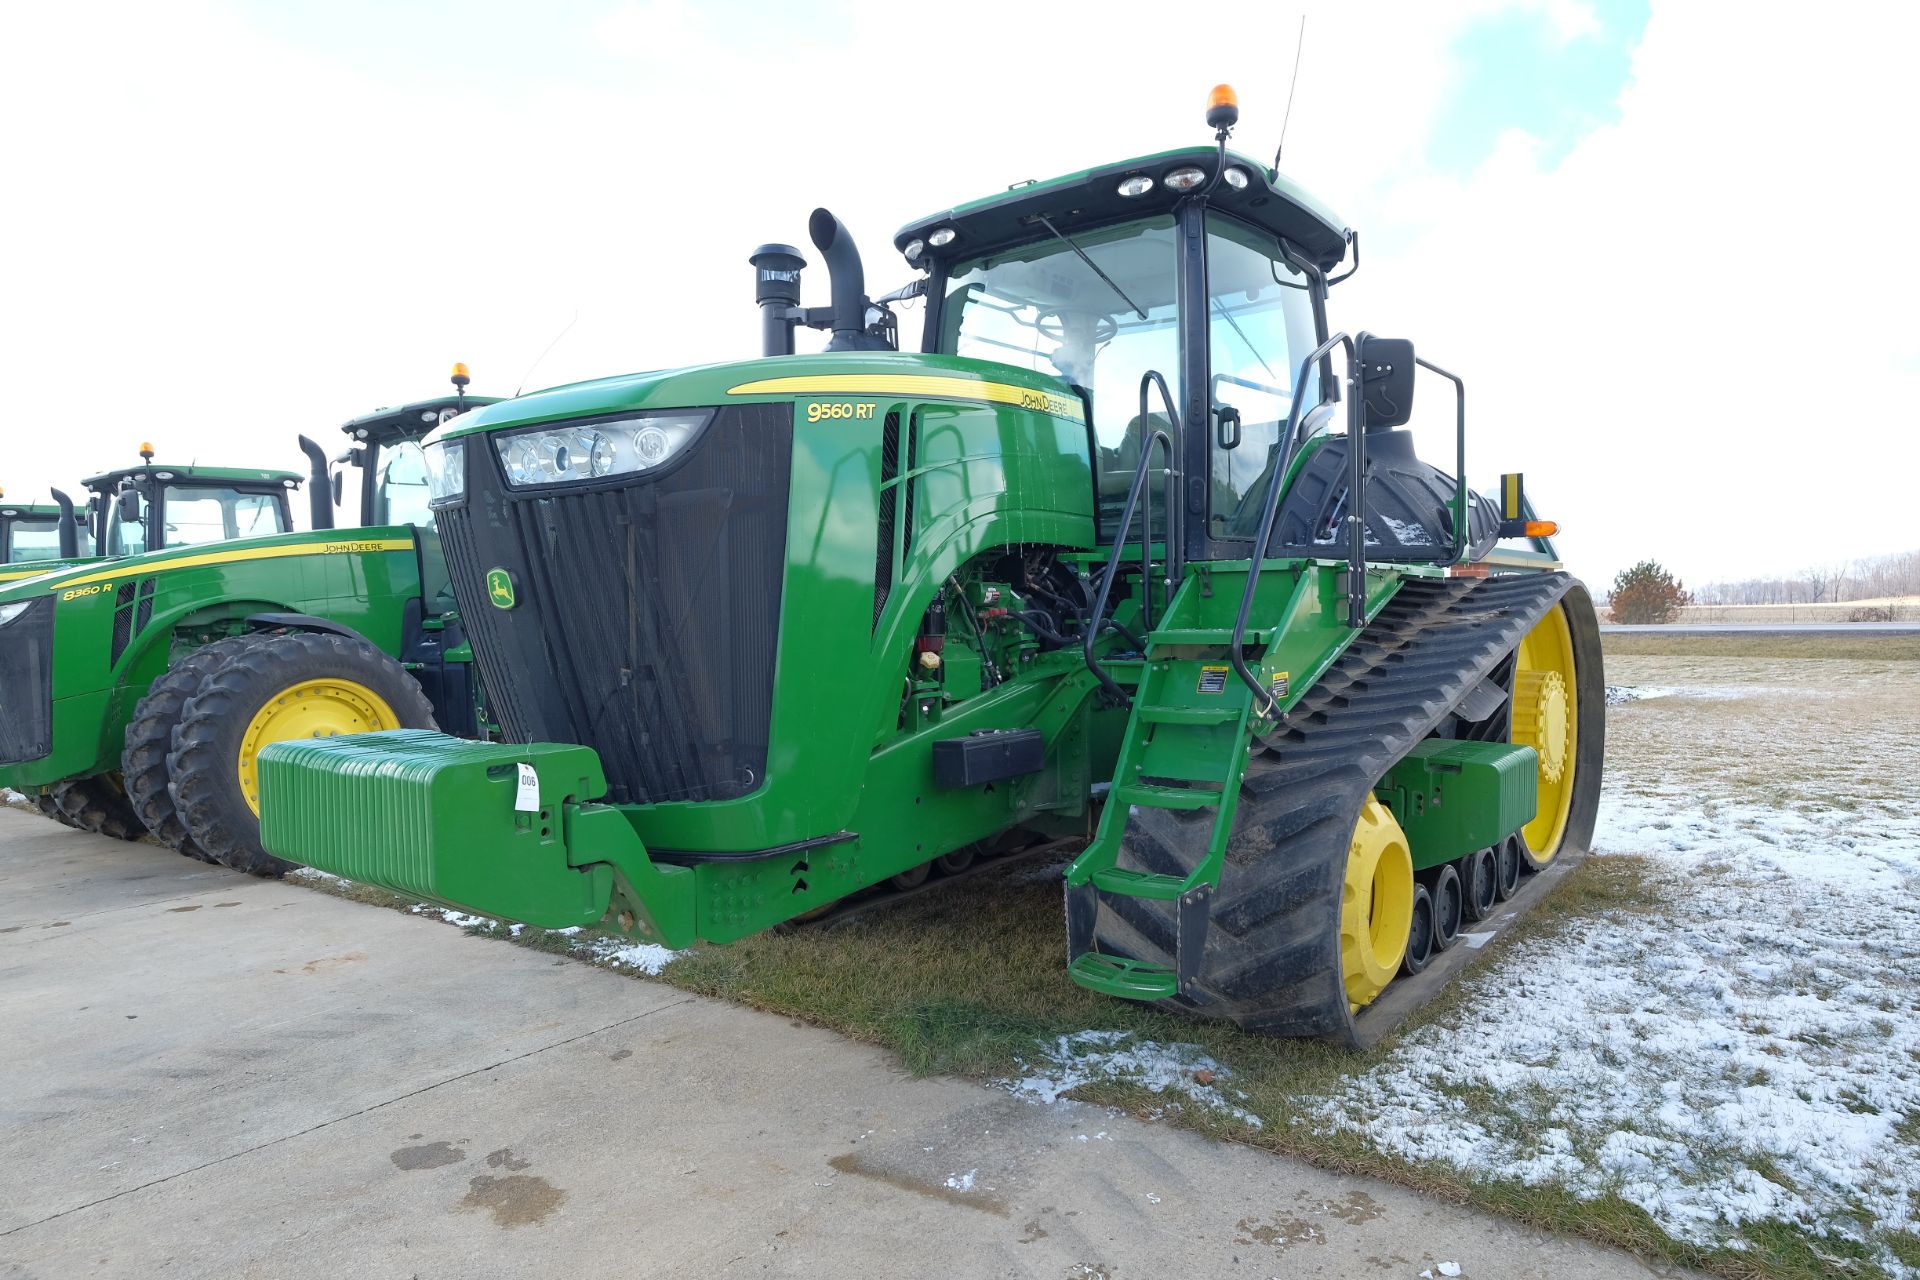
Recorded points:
(1376,905)
(311,709)
(1546,717)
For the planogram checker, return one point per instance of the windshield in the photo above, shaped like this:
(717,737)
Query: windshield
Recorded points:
(1259,328)
(400,493)
(1100,326)
(32,539)
(196,515)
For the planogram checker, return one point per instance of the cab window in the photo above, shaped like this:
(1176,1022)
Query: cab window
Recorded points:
(400,492)
(198,515)
(33,540)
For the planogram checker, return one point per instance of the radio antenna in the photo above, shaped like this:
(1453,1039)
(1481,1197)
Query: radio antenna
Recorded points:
(568,328)
(1298,42)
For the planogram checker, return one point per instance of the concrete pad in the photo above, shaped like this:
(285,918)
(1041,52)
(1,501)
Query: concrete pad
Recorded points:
(296,1085)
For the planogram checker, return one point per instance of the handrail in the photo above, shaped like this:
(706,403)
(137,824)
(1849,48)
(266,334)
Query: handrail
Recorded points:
(1095,624)
(1460,464)
(1270,504)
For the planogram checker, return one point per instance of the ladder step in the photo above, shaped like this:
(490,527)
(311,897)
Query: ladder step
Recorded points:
(1158,797)
(1225,713)
(1126,979)
(1139,884)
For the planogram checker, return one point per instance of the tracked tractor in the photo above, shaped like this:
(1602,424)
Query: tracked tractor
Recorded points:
(136,690)
(1136,551)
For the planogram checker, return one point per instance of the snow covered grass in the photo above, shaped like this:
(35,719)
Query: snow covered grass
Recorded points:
(1740,1060)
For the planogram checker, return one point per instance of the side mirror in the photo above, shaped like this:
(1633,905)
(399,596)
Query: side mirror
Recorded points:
(1386,381)
(339,481)
(127,504)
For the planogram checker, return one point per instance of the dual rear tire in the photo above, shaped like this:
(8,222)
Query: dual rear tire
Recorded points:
(193,746)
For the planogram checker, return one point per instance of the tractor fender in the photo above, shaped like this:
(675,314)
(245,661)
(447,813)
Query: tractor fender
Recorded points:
(305,622)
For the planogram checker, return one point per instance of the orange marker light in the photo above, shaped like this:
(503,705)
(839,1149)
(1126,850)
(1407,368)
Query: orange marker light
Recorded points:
(146,448)
(1223,108)
(1542,528)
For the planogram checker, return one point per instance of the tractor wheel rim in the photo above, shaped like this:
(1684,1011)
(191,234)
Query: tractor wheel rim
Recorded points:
(323,708)
(1546,717)
(1376,905)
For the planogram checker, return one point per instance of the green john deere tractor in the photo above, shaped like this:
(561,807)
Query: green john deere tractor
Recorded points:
(136,691)
(35,536)
(1137,552)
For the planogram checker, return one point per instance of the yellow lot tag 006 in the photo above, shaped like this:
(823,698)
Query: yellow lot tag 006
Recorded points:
(526,790)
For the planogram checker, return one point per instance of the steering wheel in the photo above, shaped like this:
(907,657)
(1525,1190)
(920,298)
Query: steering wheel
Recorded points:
(1104,327)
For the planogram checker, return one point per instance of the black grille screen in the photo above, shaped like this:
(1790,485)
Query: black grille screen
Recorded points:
(26,684)
(645,616)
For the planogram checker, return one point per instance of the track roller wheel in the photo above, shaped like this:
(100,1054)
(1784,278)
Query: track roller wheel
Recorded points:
(912,878)
(149,741)
(1376,905)
(282,687)
(1479,885)
(952,864)
(1507,861)
(1448,906)
(50,807)
(98,804)
(1419,932)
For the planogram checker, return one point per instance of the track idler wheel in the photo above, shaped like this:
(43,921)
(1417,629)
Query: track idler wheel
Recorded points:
(50,807)
(98,804)
(282,687)
(1507,861)
(952,864)
(1559,709)
(1448,907)
(1479,885)
(1419,933)
(912,877)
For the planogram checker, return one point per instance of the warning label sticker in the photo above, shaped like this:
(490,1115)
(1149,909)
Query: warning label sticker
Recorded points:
(1278,685)
(1213,679)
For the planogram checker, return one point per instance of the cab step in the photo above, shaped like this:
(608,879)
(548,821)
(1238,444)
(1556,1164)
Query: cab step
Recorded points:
(1127,979)
(1155,796)
(1226,713)
(1139,884)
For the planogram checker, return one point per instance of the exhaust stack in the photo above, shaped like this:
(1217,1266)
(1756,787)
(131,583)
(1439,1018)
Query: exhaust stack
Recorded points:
(68,529)
(319,485)
(849,284)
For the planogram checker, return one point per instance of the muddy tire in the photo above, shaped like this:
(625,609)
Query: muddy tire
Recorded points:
(98,804)
(295,685)
(149,741)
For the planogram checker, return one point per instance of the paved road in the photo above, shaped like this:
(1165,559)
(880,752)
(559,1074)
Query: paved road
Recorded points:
(1769,628)
(203,1074)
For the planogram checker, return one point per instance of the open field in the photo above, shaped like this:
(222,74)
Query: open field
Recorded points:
(1706,1047)
(1865,647)
(1890,608)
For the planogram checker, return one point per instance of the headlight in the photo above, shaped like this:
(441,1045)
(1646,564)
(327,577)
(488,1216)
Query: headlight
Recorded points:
(1186,178)
(8,612)
(623,446)
(446,469)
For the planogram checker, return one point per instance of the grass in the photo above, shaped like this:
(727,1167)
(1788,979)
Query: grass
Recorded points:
(1869,648)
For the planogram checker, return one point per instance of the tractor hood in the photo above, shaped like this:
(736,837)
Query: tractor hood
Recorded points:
(71,578)
(779,378)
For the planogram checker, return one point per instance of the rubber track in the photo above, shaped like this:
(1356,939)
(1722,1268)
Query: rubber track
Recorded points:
(1272,961)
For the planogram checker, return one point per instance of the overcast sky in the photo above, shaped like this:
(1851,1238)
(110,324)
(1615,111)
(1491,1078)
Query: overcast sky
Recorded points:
(1671,249)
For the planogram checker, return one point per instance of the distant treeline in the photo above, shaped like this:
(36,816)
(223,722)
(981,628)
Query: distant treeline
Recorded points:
(1869,579)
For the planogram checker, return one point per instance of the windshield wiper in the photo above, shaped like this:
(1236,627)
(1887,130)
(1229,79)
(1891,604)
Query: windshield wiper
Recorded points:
(1118,291)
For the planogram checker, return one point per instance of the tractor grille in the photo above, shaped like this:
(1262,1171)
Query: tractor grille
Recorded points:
(645,615)
(26,684)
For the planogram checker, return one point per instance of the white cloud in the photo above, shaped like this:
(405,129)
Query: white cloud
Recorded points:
(219,237)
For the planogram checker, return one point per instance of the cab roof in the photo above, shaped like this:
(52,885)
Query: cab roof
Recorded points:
(1091,197)
(417,417)
(29,510)
(194,475)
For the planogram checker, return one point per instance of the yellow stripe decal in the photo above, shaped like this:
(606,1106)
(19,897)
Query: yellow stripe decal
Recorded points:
(347,547)
(915,384)
(1511,483)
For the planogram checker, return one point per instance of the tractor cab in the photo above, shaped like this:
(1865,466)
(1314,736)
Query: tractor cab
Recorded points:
(31,532)
(153,507)
(386,448)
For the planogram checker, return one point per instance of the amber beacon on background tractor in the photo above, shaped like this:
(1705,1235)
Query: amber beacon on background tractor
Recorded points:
(1136,553)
